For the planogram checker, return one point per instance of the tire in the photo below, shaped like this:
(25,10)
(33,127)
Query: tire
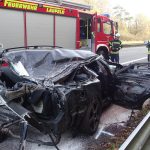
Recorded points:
(91,120)
(104,54)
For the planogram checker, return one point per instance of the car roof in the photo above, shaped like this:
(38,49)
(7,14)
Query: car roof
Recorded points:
(57,53)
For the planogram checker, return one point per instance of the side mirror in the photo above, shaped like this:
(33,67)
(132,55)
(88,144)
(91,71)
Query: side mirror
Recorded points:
(1,49)
(1,46)
(112,34)
(116,27)
(1,61)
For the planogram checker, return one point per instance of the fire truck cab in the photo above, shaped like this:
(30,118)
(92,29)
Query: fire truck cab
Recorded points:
(95,32)
(26,22)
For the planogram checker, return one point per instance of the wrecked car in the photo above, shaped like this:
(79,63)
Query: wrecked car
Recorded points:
(132,85)
(54,89)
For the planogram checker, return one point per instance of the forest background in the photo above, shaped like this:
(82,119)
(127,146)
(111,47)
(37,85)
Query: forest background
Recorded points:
(131,28)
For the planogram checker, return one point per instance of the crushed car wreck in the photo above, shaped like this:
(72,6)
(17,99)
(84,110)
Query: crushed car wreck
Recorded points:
(132,85)
(53,89)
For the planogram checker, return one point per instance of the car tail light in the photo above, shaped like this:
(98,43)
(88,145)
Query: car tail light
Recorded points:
(5,63)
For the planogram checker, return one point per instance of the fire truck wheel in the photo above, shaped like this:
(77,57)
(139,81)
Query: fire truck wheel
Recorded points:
(103,53)
(91,120)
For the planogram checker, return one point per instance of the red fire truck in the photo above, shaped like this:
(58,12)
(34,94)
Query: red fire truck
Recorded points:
(24,22)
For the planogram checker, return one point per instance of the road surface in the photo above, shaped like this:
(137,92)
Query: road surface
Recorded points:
(133,54)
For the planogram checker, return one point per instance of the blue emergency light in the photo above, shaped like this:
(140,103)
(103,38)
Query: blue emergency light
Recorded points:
(107,15)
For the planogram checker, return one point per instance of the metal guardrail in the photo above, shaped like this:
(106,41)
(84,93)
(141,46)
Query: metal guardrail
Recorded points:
(133,45)
(139,136)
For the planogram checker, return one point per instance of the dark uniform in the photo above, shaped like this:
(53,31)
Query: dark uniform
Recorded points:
(115,46)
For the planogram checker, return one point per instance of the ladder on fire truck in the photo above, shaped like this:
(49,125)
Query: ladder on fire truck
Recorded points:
(65,3)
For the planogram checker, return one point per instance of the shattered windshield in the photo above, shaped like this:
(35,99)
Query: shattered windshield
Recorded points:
(45,63)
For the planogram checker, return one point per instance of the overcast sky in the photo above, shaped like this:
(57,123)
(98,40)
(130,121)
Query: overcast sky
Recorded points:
(133,6)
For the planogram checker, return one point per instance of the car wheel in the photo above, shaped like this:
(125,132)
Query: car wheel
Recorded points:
(91,120)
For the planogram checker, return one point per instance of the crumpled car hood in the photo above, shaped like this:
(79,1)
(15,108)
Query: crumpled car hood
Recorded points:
(51,64)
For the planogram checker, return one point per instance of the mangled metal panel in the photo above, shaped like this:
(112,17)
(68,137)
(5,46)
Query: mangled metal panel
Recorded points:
(133,85)
(46,63)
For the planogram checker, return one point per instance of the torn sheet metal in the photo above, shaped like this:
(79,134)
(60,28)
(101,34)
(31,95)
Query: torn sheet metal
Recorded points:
(46,63)
(133,85)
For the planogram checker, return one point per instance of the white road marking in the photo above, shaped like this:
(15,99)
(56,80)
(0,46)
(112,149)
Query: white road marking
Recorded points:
(124,63)
(99,132)
(108,133)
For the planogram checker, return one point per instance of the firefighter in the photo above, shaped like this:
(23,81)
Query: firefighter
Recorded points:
(115,46)
(148,54)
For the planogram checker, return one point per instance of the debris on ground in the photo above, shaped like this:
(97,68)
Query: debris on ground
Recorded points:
(109,142)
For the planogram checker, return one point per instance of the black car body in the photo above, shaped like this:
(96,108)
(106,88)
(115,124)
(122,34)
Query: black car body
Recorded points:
(54,89)
(132,85)
(62,88)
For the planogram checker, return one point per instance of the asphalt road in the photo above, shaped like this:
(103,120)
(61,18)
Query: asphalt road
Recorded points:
(114,114)
(135,54)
